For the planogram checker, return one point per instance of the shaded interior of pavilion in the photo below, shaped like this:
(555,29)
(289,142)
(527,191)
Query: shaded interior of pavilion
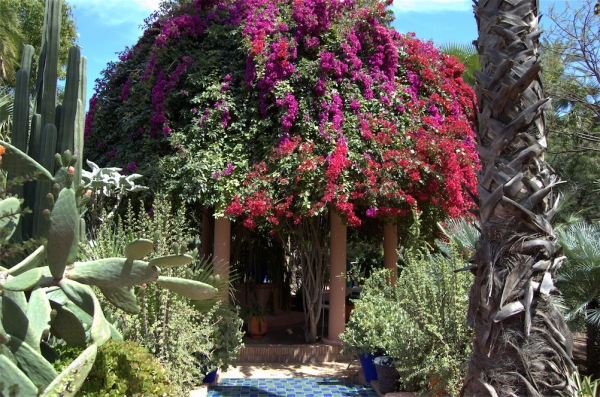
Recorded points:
(285,307)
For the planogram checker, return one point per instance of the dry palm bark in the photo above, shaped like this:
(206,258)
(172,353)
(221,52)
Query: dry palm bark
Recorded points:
(522,344)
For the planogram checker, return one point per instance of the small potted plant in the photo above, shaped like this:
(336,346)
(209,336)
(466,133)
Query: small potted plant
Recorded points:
(257,322)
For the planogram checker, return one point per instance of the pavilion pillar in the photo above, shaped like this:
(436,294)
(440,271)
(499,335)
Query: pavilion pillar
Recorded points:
(207,234)
(222,250)
(390,244)
(337,280)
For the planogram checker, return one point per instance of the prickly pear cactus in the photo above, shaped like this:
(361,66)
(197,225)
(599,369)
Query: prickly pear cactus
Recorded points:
(49,292)
(61,301)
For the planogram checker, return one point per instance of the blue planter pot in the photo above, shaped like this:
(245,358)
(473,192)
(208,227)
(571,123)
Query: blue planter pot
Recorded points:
(366,361)
(211,376)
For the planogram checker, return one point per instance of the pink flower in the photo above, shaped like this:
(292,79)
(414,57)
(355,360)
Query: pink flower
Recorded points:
(372,212)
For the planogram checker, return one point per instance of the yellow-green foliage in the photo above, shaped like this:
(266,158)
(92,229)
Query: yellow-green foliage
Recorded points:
(586,387)
(185,340)
(421,322)
(434,342)
(376,316)
(126,369)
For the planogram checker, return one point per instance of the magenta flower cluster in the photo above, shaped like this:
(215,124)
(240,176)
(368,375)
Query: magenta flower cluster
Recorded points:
(126,88)
(89,117)
(314,103)
(182,25)
(160,91)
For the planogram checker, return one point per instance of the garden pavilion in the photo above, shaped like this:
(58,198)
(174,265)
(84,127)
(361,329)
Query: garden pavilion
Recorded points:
(219,240)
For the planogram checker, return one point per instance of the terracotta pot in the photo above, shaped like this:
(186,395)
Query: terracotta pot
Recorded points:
(257,328)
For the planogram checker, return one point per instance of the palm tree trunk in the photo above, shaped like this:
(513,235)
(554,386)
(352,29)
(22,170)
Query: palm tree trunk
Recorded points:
(522,345)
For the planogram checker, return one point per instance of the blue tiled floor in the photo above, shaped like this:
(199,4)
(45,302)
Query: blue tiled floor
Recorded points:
(288,387)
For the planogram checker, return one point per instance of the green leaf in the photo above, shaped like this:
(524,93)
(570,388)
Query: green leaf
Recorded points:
(123,298)
(15,321)
(9,214)
(84,297)
(66,325)
(22,282)
(194,290)
(38,312)
(34,259)
(113,272)
(138,249)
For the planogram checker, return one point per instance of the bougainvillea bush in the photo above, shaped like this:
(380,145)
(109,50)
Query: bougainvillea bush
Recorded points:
(276,112)
(279,110)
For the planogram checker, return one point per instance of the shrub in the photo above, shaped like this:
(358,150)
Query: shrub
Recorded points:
(421,322)
(433,344)
(375,316)
(125,368)
(224,342)
(187,338)
(278,110)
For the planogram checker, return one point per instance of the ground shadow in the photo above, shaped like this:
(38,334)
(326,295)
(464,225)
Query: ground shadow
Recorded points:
(359,390)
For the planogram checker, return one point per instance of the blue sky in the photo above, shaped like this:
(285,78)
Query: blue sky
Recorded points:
(106,27)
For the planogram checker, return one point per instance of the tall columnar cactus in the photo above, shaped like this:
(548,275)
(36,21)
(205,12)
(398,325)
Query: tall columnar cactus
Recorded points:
(61,301)
(53,128)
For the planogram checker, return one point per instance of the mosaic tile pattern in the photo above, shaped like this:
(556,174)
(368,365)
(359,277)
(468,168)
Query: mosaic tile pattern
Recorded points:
(288,387)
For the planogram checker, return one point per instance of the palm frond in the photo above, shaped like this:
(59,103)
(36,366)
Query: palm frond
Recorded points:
(467,55)
(581,243)
(203,270)
(6,115)
(463,234)
(11,41)
(592,316)
(579,278)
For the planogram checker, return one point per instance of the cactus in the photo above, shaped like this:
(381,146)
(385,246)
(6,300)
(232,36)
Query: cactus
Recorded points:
(71,379)
(23,282)
(14,381)
(9,215)
(61,301)
(53,128)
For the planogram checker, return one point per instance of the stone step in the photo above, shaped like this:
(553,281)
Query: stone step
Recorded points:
(314,353)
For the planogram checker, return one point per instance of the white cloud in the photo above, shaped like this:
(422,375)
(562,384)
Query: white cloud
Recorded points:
(150,5)
(426,6)
(116,12)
